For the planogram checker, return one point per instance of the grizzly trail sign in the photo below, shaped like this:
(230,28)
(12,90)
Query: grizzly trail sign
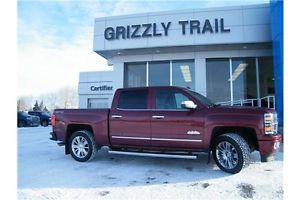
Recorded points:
(162,29)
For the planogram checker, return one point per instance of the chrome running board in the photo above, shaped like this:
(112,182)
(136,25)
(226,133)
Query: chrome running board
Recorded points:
(153,154)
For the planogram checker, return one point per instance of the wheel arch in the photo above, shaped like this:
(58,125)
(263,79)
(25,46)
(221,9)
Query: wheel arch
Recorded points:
(248,133)
(72,128)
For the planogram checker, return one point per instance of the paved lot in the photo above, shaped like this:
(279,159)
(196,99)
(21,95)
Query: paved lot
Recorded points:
(44,172)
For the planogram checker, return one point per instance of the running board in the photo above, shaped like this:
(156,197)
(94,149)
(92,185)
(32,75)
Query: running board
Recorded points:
(153,154)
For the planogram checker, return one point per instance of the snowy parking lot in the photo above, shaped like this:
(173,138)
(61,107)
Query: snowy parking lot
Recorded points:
(45,172)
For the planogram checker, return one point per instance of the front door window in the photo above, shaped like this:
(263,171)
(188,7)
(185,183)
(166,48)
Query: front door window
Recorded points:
(169,99)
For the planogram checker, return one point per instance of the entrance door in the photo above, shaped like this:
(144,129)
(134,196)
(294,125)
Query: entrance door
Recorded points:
(173,126)
(130,121)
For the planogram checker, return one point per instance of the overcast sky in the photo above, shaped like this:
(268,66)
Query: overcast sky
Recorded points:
(55,37)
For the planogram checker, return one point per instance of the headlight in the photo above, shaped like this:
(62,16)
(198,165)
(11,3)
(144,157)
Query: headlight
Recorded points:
(271,124)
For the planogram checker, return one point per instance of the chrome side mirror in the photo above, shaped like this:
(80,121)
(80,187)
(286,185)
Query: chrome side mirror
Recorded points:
(188,105)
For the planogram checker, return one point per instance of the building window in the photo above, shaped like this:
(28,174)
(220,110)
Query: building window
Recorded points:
(244,78)
(218,79)
(159,73)
(234,79)
(183,73)
(97,103)
(266,79)
(266,76)
(135,74)
(135,99)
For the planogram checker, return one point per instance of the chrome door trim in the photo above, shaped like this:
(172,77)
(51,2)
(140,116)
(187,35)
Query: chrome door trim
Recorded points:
(177,140)
(131,138)
(155,139)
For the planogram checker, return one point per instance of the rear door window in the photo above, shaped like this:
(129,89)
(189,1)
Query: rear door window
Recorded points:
(133,99)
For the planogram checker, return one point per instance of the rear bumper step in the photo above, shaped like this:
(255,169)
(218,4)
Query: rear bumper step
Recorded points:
(153,154)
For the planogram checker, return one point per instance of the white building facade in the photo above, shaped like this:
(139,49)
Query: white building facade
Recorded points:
(222,53)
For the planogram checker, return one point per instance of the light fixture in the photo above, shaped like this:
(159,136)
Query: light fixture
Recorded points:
(185,70)
(241,67)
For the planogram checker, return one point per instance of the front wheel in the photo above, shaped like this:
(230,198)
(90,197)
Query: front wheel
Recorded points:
(21,123)
(82,146)
(231,153)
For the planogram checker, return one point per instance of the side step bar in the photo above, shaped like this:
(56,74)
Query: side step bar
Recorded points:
(153,154)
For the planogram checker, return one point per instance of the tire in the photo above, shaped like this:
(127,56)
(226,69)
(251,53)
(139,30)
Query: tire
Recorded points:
(88,148)
(21,123)
(231,153)
(44,123)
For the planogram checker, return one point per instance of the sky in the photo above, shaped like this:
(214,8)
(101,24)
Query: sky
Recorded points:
(55,38)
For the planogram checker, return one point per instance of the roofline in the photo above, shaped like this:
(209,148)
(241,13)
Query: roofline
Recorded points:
(217,8)
(151,87)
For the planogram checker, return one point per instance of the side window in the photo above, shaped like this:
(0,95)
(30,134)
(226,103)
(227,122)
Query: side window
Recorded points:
(133,99)
(169,99)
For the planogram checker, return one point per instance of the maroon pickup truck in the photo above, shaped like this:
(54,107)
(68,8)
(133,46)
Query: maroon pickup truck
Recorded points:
(170,122)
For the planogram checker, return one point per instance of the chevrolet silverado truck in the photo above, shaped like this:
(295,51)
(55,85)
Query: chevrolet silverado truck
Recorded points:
(169,122)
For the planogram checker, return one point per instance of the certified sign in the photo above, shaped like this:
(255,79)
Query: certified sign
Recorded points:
(101,88)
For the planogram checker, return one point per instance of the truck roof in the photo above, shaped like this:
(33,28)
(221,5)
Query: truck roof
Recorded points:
(149,87)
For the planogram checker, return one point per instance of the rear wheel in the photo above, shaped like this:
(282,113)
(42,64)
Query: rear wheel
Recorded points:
(44,123)
(82,146)
(231,153)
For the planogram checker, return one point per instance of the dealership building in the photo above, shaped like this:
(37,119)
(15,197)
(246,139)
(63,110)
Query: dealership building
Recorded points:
(227,54)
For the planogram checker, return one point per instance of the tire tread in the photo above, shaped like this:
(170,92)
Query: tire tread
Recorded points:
(242,145)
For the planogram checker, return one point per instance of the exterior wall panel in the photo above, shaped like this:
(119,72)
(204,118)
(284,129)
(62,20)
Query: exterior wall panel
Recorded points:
(247,24)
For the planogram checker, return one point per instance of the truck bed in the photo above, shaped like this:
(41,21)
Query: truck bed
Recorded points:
(95,119)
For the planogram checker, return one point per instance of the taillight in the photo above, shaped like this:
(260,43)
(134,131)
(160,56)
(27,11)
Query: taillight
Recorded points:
(53,120)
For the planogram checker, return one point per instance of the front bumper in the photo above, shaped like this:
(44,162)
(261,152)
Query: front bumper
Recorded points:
(270,146)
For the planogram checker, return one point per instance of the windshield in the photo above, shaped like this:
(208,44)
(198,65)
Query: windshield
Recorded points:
(46,114)
(201,98)
(23,113)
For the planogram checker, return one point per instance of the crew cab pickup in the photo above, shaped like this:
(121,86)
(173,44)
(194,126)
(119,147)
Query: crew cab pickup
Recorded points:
(169,121)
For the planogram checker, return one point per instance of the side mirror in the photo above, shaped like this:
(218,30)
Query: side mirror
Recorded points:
(188,105)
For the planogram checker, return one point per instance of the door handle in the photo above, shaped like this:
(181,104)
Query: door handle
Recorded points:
(158,116)
(116,116)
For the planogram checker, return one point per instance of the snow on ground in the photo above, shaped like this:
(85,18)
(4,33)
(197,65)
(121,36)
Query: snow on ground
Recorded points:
(45,172)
